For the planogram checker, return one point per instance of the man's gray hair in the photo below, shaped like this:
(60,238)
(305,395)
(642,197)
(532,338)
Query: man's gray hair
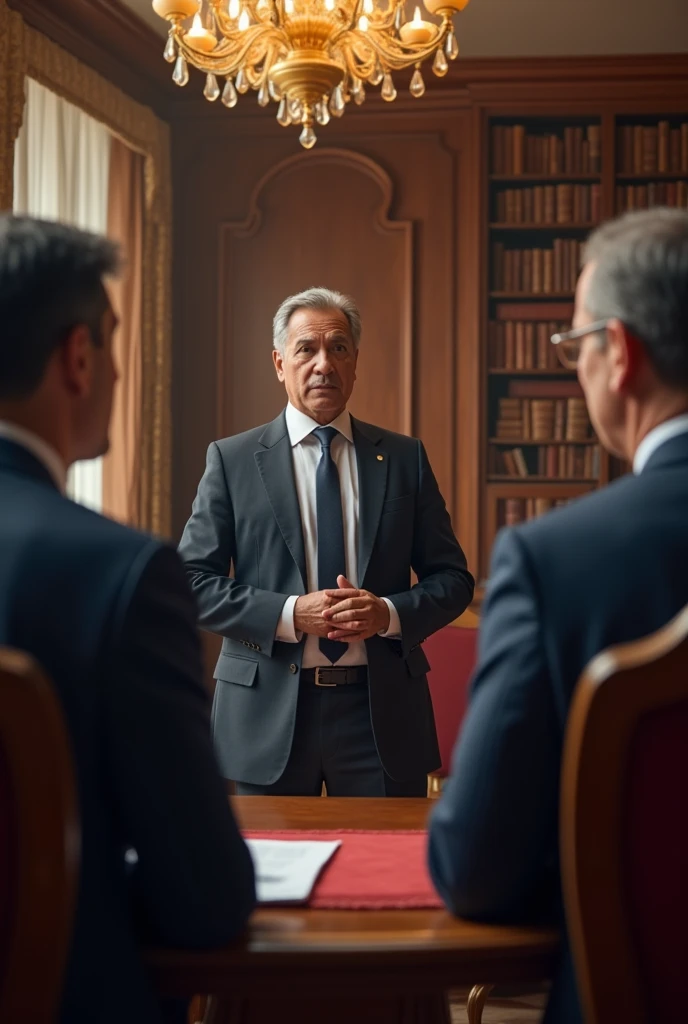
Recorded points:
(641,277)
(319,299)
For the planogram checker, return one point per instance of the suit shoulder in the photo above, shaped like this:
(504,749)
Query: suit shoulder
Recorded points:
(88,535)
(583,516)
(389,437)
(246,439)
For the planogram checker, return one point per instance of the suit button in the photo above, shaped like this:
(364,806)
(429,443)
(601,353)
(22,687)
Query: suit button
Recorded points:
(257,647)
(293,668)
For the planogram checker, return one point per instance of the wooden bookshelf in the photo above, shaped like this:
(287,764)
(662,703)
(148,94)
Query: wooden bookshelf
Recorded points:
(539,448)
(542,227)
(654,176)
(549,180)
(651,162)
(520,178)
(532,296)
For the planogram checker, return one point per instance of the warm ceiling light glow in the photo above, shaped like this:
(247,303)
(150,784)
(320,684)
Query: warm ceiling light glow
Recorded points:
(312,60)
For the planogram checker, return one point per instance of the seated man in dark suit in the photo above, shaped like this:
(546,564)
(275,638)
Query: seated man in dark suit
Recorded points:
(608,568)
(108,614)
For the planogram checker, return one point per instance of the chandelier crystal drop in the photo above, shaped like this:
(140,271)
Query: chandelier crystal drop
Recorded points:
(229,94)
(170,52)
(212,89)
(451,46)
(322,113)
(439,65)
(283,115)
(311,57)
(180,75)
(388,92)
(417,86)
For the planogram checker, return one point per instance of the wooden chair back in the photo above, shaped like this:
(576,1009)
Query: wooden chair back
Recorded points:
(39,843)
(624,830)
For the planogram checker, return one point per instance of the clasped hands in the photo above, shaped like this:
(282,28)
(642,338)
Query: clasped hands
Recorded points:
(347,614)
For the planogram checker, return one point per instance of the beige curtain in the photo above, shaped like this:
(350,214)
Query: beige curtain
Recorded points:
(122,464)
(61,166)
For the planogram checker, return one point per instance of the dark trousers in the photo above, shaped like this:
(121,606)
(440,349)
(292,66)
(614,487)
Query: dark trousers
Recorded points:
(334,743)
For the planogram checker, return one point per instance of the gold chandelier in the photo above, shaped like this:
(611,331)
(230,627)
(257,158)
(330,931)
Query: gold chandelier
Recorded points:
(311,57)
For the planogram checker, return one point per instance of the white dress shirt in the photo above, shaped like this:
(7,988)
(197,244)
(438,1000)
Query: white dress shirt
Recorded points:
(656,438)
(39,448)
(306,451)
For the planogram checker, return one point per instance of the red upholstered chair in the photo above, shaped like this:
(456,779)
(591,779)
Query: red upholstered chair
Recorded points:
(624,830)
(39,843)
(452,654)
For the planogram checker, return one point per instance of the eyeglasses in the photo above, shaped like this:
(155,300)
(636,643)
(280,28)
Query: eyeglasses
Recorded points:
(569,342)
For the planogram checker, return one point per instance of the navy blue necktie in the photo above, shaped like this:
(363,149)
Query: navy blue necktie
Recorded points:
(331,553)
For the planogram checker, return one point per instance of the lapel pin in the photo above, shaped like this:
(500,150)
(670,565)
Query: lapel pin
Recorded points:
(380,458)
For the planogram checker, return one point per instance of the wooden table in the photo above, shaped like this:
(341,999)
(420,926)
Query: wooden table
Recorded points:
(348,966)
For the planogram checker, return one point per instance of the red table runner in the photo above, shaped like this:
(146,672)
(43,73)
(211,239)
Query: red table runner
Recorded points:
(370,870)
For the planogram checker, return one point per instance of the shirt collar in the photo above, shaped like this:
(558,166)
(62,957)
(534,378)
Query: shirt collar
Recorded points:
(39,448)
(656,438)
(299,426)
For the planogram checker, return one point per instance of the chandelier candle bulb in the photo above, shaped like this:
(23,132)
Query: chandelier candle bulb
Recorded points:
(244,20)
(417,31)
(178,9)
(199,37)
(234,9)
(435,6)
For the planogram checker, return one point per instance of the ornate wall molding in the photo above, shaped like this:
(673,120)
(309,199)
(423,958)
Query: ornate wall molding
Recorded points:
(12,73)
(24,51)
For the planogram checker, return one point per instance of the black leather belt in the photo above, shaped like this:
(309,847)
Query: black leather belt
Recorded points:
(335,676)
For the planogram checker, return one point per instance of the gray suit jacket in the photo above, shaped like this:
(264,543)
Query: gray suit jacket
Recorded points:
(246,514)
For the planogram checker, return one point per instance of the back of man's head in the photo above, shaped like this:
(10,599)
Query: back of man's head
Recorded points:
(640,277)
(51,281)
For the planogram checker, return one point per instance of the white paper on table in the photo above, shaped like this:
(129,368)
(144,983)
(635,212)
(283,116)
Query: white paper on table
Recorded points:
(286,869)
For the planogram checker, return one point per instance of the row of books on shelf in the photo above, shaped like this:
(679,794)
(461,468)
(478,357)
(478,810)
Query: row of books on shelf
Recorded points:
(575,151)
(511,511)
(543,419)
(656,193)
(557,461)
(537,271)
(651,149)
(523,344)
(549,204)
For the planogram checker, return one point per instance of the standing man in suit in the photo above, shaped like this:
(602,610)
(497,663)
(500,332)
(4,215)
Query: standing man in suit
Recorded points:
(322,677)
(108,614)
(607,569)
